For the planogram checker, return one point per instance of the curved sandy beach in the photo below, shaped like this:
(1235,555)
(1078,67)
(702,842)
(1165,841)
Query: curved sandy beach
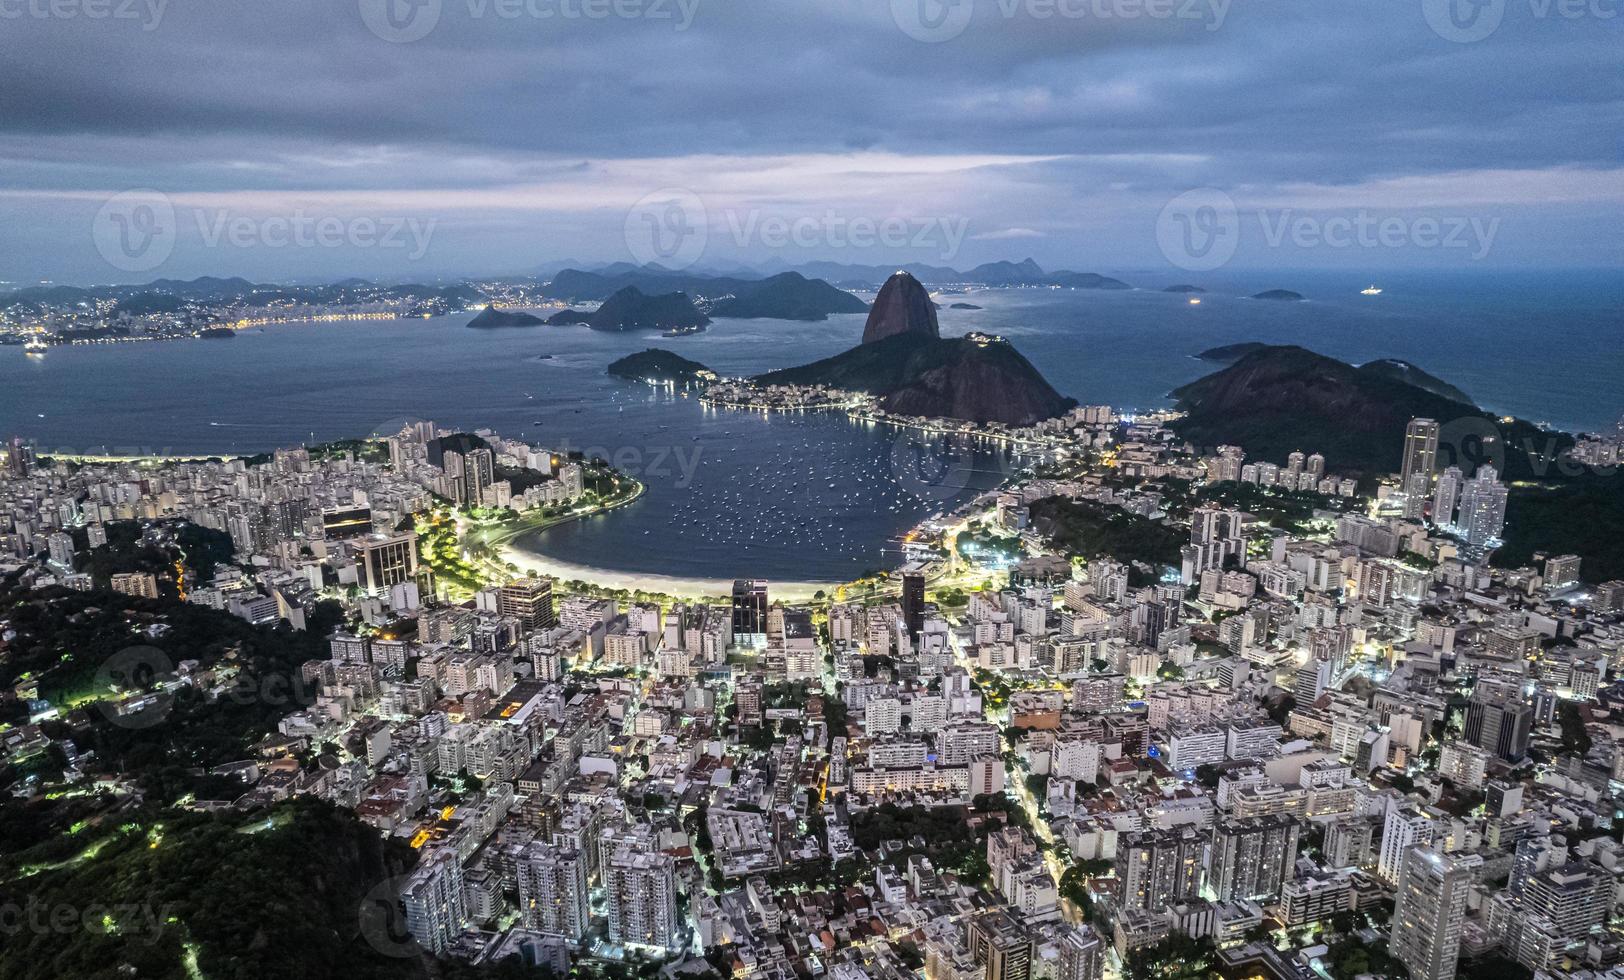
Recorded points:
(684,588)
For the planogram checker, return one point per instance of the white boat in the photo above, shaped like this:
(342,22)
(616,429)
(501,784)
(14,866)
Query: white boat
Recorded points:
(1371,290)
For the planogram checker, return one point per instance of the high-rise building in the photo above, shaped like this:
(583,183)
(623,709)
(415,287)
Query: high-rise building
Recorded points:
(1482,507)
(1001,944)
(337,523)
(529,600)
(436,911)
(384,560)
(1252,858)
(18,457)
(750,612)
(1404,829)
(60,547)
(1431,905)
(1562,572)
(1499,720)
(1159,867)
(641,888)
(1446,495)
(913,603)
(553,894)
(143,584)
(1082,955)
(1420,461)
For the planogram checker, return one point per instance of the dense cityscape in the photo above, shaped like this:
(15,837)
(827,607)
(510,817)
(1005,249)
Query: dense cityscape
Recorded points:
(1140,712)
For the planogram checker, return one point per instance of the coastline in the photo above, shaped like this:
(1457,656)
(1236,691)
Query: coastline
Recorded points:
(674,586)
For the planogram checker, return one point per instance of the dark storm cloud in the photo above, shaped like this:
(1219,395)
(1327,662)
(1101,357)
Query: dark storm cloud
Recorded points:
(1101,108)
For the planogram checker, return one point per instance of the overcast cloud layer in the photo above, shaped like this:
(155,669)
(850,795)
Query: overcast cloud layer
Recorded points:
(478,137)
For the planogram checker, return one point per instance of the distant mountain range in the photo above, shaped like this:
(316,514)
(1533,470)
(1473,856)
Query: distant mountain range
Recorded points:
(1023,273)
(175,295)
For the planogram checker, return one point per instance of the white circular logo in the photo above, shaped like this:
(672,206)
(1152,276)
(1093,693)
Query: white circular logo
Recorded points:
(132,675)
(1199,230)
(932,469)
(1463,21)
(400,21)
(1470,442)
(135,231)
(667,228)
(932,21)
(383,921)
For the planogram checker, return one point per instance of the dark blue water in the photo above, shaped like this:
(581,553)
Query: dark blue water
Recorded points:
(799,496)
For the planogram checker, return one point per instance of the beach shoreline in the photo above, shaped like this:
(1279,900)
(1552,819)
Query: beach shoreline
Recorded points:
(672,585)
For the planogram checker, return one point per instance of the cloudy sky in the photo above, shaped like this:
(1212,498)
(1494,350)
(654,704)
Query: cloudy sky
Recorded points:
(422,138)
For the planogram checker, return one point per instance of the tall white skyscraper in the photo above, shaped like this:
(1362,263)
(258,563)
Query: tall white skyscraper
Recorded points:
(436,911)
(1420,460)
(1082,955)
(1405,829)
(1482,507)
(1446,495)
(641,889)
(1431,904)
(553,894)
